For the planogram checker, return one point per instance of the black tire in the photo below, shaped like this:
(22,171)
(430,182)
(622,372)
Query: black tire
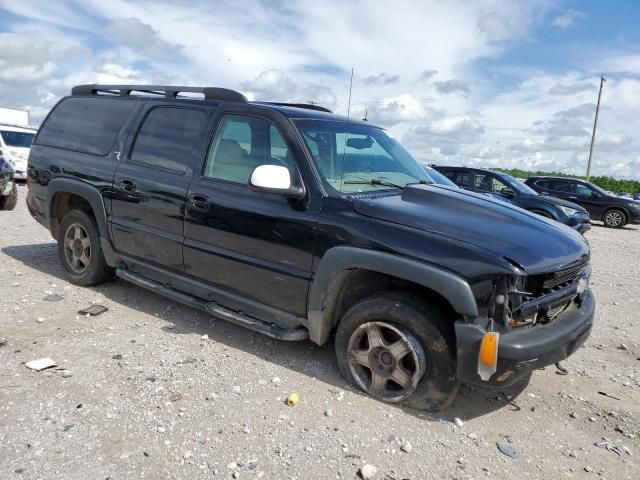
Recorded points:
(9,202)
(614,218)
(91,269)
(407,318)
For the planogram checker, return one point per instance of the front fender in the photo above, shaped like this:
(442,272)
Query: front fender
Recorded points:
(338,260)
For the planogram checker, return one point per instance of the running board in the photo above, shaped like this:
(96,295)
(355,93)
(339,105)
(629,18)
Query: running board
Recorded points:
(238,318)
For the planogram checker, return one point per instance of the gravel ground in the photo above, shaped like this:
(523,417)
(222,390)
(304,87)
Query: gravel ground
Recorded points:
(153,389)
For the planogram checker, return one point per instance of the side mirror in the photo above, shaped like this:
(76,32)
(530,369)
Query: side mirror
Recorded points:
(507,192)
(274,179)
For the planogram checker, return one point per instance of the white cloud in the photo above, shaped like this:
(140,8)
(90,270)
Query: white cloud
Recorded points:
(568,18)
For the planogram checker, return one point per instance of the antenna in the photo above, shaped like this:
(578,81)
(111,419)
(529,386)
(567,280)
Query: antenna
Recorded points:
(366,112)
(346,132)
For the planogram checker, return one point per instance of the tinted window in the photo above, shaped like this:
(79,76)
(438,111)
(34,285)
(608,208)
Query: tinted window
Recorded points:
(87,125)
(559,186)
(585,191)
(17,139)
(542,184)
(241,144)
(464,179)
(167,137)
(488,183)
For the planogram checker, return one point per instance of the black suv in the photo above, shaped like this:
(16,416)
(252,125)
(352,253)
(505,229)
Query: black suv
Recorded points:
(298,223)
(512,190)
(614,211)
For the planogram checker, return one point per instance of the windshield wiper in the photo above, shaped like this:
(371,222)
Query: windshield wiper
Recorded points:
(373,181)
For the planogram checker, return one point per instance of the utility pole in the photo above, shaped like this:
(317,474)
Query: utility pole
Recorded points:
(595,124)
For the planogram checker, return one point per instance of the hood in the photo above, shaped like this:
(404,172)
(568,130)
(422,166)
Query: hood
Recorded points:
(537,244)
(563,202)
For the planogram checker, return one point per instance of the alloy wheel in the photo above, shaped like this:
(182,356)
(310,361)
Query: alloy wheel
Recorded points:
(614,219)
(386,361)
(77,248)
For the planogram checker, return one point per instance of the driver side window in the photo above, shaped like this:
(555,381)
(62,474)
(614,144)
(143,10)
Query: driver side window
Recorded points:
(584,191)
(242,143)
(488,183)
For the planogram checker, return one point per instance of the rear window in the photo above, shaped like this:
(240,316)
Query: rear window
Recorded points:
(86,125)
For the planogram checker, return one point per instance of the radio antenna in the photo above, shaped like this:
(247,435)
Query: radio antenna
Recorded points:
(344,146)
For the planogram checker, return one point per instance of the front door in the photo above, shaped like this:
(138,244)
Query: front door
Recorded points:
(587,197)
(151,182)
(251,245)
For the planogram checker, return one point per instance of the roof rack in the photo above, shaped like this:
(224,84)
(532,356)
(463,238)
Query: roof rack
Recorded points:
(308,106)
(210,93)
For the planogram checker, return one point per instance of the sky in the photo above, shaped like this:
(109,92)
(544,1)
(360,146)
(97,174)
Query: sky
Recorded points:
(491,83)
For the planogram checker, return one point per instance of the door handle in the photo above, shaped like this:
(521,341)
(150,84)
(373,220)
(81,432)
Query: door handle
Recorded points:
(198,202)
(127,185)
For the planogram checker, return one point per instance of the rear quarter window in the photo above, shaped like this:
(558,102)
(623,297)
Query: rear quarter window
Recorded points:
(86,125)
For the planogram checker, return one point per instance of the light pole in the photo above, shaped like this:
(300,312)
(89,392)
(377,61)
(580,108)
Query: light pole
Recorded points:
(595,124)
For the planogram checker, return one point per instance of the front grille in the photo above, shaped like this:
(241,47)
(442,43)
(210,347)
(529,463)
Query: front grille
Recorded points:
(561,278)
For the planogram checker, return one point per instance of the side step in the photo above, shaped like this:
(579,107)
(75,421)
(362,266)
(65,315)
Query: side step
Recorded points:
(239,318)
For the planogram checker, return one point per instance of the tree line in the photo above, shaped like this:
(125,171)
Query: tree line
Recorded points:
(607,183)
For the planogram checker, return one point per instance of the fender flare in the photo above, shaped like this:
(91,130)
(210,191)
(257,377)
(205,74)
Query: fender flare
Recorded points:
(88,192)
(337,261)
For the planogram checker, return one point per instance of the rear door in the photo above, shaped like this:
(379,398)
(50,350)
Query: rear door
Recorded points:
(252,246)
(151,182)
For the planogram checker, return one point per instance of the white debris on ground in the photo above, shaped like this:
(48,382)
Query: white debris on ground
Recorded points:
(152,389)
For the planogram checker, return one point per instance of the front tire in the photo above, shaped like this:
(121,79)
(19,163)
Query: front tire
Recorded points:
(79,250)
(399,350)
(10,201)
(614,218)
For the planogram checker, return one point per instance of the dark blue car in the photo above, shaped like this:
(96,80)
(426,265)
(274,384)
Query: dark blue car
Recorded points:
(510,189)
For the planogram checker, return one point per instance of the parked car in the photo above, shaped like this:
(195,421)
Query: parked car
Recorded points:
(15,143)
(298,223)
(8,189)
(636,196)
(439,178)
(614,211)
(512,190)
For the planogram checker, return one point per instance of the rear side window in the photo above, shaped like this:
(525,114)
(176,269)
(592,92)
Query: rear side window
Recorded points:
(167,137)
(559,186)
(464,179)
(86,125)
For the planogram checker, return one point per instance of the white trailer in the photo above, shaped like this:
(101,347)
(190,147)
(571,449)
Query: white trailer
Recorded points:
(14,116)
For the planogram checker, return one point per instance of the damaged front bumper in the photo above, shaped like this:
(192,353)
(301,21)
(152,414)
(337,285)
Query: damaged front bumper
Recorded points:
(523,350)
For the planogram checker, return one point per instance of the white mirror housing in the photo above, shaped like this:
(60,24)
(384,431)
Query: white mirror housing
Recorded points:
(271,177)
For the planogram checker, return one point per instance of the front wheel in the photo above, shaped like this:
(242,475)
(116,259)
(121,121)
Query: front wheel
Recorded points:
(79,250)
(615,218)
(399,350)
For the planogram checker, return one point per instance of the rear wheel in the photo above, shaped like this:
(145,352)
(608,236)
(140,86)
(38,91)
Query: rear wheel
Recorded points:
(614,218)
(9,202)
(399,350)
(79,250)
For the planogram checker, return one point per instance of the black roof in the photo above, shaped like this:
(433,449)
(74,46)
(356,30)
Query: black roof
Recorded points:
(209,94)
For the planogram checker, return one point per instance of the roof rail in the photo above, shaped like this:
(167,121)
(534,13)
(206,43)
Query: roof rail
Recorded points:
(308,106)
(210,93)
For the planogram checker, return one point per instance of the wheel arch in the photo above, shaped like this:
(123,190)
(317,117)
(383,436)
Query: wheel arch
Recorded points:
(620,209)
(63,193)
(347,274)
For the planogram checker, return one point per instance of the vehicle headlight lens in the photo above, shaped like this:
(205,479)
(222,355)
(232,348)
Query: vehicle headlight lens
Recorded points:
(569,212)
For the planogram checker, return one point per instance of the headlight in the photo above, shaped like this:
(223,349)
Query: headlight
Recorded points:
(569,212)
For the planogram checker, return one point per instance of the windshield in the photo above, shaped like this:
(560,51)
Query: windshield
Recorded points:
(439,178)
(17,139)
(359,158)
(518,185)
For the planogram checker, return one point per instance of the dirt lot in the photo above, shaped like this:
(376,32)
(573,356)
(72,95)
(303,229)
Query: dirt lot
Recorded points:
(152,389)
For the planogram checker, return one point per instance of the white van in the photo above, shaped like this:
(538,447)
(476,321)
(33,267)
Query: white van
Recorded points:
(15,143)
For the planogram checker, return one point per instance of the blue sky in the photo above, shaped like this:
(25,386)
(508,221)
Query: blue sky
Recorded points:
(490,83)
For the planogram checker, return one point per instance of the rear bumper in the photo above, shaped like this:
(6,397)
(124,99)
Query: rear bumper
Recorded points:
(36,206)
(522,351)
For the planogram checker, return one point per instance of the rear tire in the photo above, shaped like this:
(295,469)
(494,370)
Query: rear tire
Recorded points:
(10,201)
(79,250)
(399,350)
(614,218)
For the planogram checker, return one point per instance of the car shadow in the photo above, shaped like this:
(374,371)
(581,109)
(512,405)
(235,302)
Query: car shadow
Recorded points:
(626,227)
(303,357)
